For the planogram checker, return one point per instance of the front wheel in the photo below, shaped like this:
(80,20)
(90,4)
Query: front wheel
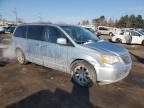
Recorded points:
(83,73)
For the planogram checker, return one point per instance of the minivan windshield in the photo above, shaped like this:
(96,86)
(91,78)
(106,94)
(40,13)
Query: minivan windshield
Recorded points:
(79,34)
(141,32)
(90,29)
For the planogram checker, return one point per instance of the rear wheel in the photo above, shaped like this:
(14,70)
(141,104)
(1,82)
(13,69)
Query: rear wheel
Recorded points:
(83,73)
(20,56)
(118,40)
(143,42)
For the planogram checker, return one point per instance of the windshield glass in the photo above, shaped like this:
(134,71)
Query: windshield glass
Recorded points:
(141,32)
(79,34)
(91,30)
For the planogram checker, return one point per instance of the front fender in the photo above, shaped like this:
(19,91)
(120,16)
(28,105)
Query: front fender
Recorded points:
(93,61)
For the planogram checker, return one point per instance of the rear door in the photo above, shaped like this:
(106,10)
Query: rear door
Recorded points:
(56,54)
(19,39)
(136,37)
(36,38)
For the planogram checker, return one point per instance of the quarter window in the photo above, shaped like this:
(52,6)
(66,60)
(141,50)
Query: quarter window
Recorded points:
(20,32)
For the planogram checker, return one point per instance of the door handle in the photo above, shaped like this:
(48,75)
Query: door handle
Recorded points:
(39,45)
(44,46)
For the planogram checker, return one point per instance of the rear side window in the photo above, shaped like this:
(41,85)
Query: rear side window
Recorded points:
(36,33)
(20,32)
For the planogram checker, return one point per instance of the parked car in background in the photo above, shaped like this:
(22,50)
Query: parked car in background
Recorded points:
(122,38)
(139,29)
(91,30)
(105,30)
(2,29)
(131,37)
(137,37)
(11,29)
(89,26)
(117,31)
(72,49)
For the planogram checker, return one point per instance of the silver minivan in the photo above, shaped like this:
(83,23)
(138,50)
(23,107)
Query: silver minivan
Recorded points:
(74,50)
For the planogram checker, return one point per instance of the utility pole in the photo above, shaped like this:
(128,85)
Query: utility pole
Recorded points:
(39,17)
(0,19)
(15,13)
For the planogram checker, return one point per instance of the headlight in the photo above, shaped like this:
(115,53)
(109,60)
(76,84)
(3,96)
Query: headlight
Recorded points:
(109,59)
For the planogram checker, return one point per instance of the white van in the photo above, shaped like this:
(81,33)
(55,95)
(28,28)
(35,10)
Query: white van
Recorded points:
(105,30)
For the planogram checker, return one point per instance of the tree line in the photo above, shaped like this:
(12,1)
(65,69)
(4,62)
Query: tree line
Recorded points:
(127,21)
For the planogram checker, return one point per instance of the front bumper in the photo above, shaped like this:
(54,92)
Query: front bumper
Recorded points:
(107,75)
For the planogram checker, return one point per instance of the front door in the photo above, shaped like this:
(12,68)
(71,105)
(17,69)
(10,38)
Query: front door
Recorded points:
(56,54)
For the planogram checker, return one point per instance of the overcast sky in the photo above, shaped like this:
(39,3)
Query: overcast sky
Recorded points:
(69,10)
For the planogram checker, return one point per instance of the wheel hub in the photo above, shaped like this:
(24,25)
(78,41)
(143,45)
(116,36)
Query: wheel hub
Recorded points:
(82,75)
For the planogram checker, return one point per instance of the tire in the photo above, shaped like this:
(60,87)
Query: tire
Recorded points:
(118,40)
(143,42)
(83,73)
(110,34)
(20,56)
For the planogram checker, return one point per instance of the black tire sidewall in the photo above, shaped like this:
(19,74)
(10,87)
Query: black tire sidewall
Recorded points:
(110,34)
(91,69)
(143,42)
(119,40)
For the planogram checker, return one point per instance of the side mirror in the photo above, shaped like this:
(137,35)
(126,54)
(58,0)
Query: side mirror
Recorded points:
(61,41)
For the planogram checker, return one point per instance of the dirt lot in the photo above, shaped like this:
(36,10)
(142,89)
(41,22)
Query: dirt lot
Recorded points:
(33,86)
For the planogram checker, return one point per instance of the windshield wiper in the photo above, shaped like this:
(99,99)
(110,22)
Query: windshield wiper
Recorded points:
(80,42)
(86,42)
(90,41)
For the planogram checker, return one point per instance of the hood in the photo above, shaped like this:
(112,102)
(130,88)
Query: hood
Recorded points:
(108,47)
